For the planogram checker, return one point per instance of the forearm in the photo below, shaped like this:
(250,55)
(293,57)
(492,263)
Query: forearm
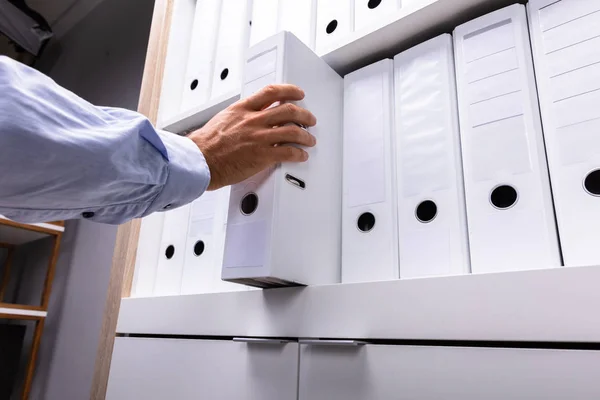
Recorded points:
(63,158)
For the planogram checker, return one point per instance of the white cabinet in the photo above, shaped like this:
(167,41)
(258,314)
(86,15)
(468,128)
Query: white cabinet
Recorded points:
(381,372)
(182,369)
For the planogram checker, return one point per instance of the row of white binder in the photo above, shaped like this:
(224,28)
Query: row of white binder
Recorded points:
(215,41)
(448,164)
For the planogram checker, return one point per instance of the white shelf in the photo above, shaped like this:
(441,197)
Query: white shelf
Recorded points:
(15,233)
(555,305)
(198,116)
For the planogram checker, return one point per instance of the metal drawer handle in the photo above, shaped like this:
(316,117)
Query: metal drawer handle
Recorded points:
(319,342)
(260,340)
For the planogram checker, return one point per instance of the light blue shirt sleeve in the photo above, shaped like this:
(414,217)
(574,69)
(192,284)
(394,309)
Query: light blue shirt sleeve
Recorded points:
(64,158)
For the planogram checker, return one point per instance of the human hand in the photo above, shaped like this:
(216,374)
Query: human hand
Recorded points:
(248,136)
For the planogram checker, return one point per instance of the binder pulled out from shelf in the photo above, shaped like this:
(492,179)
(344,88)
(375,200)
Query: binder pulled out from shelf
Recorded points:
(566,48)
(509,204)
(284,223)
(369,221)
(431,203)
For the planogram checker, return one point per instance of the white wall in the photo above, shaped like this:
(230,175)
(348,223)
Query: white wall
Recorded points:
(101,59)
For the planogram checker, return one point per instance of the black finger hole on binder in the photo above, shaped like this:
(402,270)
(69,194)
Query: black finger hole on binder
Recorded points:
(249,203)
(592,183)
(426,211)
(331,26)
(366,222)
(373,3)
(170,252)
(224,74)
(503,197)
(199,248)
(194,84)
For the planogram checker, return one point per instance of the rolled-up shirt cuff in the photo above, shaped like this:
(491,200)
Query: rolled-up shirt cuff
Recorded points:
(189,175)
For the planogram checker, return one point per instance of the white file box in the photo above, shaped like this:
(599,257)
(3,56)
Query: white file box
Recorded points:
(264,20)
(172,249)
(201,246)
(509,204)
(232,43)
(299,18)
(148,253)
(369,221)
(431,203)
(284,224)
(201,54)
(566,47)
(374,13)
(335,21)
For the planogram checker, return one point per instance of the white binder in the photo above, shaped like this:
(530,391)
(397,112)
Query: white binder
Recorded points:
(205,245)
(373,13)
(509,204)
(335,21)
(148,252)
(264,20)
(232,43)
(369,221)
(299,17)
(172,249)
(199,70)
(284,223)
(566,45)
(431,202)
(201,249)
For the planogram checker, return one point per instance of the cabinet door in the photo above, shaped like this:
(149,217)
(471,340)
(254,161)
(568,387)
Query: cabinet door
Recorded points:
(378,372)
(182,369)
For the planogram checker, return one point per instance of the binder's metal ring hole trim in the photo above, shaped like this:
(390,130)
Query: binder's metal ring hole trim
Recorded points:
(591,183)
(224,74)
(331,27)
(366,222)
(194,84)
(249,203)
(373,4)
(504,197)
(199,248)
(170,251)
(426,211)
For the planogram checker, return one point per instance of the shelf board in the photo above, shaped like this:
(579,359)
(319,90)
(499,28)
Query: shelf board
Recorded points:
(554,305)
(16,233)
(198,116)
(21,313)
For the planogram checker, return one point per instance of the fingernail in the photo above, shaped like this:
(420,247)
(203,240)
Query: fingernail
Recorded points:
(305,156)
(314,140)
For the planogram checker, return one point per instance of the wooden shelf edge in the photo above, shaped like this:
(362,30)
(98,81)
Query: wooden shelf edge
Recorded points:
(43,227)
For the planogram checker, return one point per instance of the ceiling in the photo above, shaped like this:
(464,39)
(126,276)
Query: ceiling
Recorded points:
(62,15)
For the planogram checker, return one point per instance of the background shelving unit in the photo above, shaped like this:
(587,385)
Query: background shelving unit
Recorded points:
(545,309)
(12,235)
